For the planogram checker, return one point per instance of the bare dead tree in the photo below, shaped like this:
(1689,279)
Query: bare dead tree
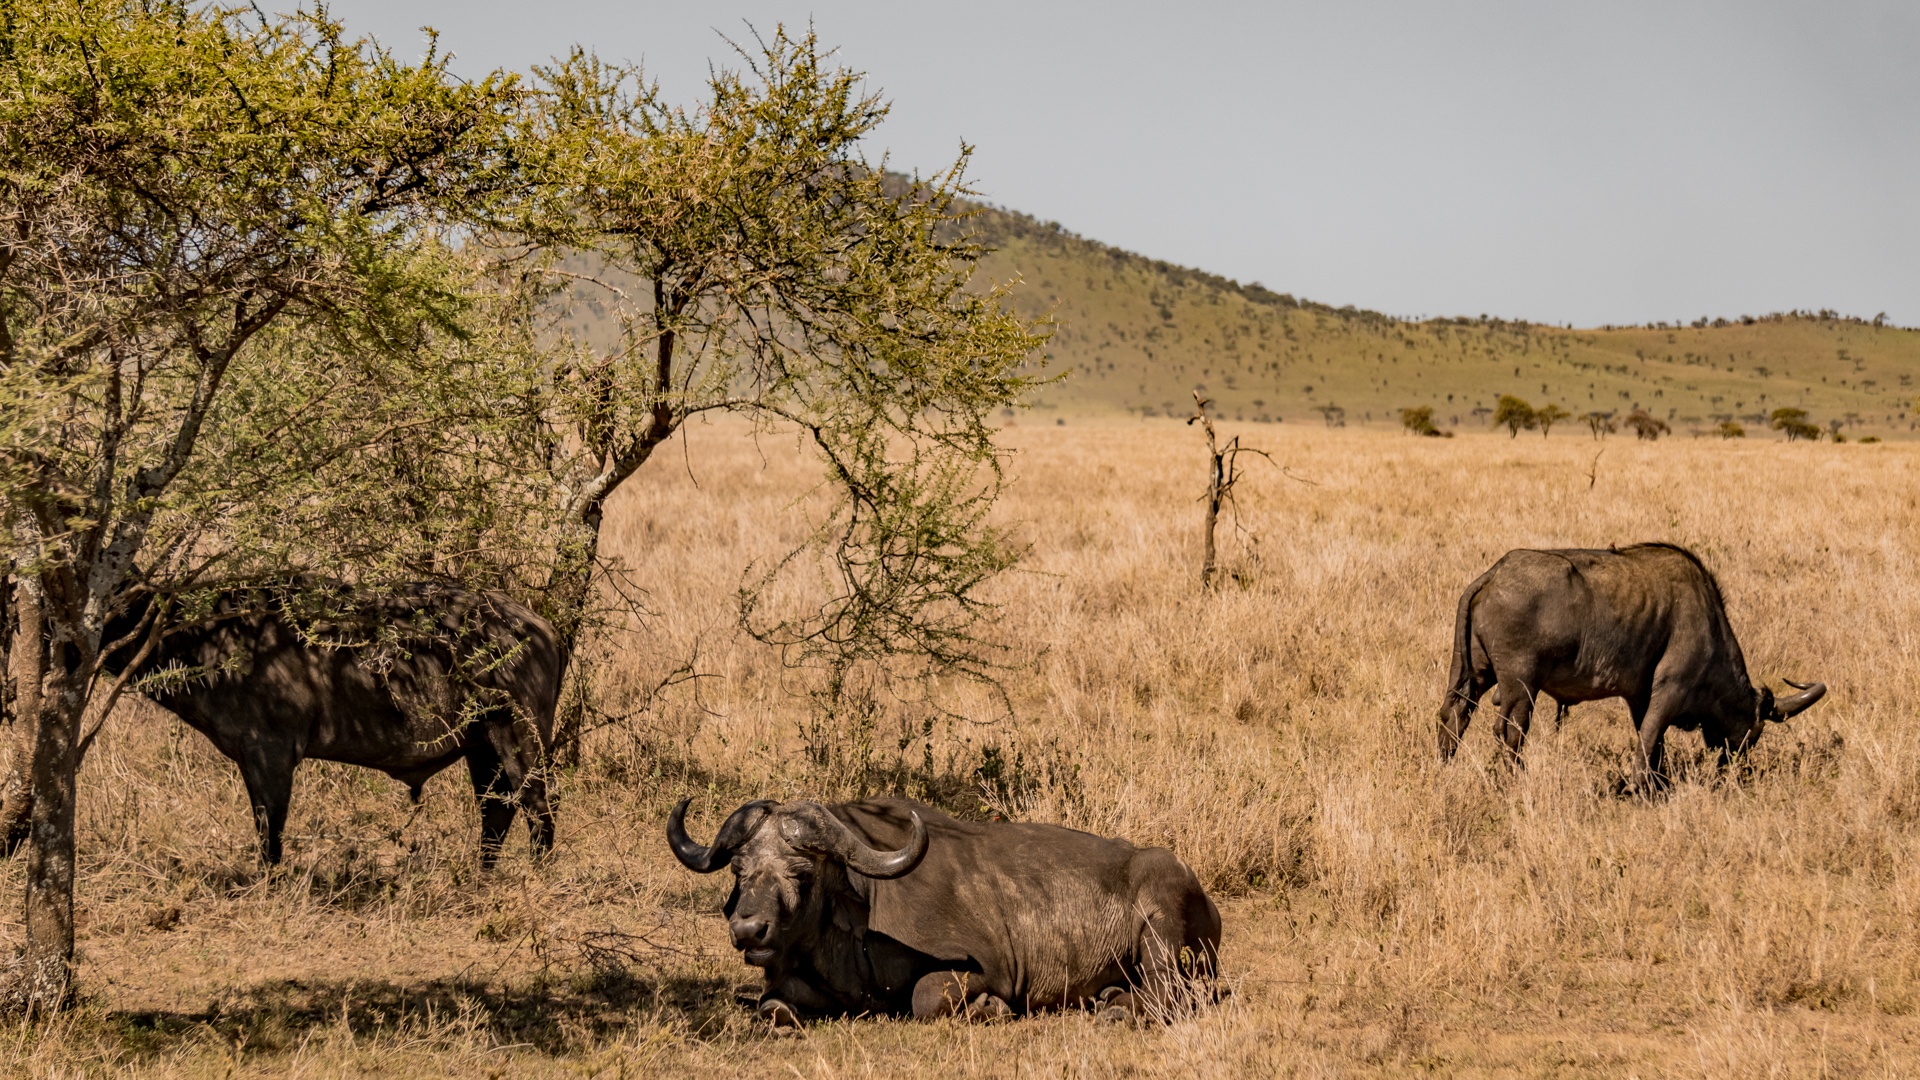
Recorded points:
(1223,474)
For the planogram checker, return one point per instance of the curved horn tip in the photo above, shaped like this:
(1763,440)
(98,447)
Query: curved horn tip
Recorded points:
(692,854)
(1800,702)
(892,864)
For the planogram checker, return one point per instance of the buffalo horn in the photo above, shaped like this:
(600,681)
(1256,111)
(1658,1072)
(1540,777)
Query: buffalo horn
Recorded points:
(860,858)
(1800,702)
(705,860)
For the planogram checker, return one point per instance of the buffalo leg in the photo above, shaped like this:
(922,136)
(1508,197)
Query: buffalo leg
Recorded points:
(956,993)
(1457,712)
(524,750)
(494,790)
(1650,719)
(269,780)
(788,999)
(1516,716)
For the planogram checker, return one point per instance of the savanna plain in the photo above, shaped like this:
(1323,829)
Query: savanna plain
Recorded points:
(1384,915)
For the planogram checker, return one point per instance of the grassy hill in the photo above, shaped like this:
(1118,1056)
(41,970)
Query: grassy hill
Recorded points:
(1138,335)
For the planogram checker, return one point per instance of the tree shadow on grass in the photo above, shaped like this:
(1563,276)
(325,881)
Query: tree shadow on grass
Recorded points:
(553,1016)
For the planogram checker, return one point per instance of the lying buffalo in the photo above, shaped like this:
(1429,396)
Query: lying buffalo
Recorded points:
(1645,623)
(407,680)
(891,907)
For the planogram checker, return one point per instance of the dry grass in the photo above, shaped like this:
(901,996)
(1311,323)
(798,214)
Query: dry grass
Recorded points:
(1383,914)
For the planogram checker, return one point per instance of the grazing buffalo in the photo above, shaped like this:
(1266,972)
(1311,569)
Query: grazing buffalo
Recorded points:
(891,907)
(407,681)
(1645,623)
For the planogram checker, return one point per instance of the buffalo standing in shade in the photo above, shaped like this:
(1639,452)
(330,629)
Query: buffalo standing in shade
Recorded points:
(892,907)
(407,681)
(1645,623)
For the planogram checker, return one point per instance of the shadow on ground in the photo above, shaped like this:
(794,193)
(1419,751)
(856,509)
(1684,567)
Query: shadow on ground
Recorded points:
(557,1017)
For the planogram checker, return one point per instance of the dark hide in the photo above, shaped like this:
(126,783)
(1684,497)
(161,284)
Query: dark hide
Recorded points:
(1645,623)
(996,918)
(407,681)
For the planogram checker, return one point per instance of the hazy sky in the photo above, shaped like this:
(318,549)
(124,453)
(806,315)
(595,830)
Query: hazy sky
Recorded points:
(1562,162)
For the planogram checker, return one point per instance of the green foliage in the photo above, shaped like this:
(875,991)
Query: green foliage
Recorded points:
(224,265)
(1547,416)
(755,262)
(1418,420)
(1732,429)
(1794,424)
(1514,414)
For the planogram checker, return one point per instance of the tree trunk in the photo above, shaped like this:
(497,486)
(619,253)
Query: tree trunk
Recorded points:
(1214,487)
(47,966)
(26,670)
(565,605)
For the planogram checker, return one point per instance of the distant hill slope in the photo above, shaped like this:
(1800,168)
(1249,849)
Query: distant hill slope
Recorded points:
(1138,335)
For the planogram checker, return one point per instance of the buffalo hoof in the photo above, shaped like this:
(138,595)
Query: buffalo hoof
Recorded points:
(987,1008)
(780,1015)
(947,993)
(1117,1005)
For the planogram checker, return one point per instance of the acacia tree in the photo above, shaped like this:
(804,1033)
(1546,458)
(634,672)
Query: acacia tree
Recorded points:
(224,296)
(755,262)
(1795,424)
(1548,415)
(1645,425)
(1514,414)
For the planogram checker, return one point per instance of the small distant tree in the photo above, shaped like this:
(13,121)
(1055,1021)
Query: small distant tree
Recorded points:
(1731,429)
(1600,423)
(1646,426)
(1549,415)
(1833,431)
(1514,414)
(1794,424)
(1223,472)
(1419,420)
(1334,415)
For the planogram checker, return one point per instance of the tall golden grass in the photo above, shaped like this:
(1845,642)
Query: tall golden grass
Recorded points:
(1383,914)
